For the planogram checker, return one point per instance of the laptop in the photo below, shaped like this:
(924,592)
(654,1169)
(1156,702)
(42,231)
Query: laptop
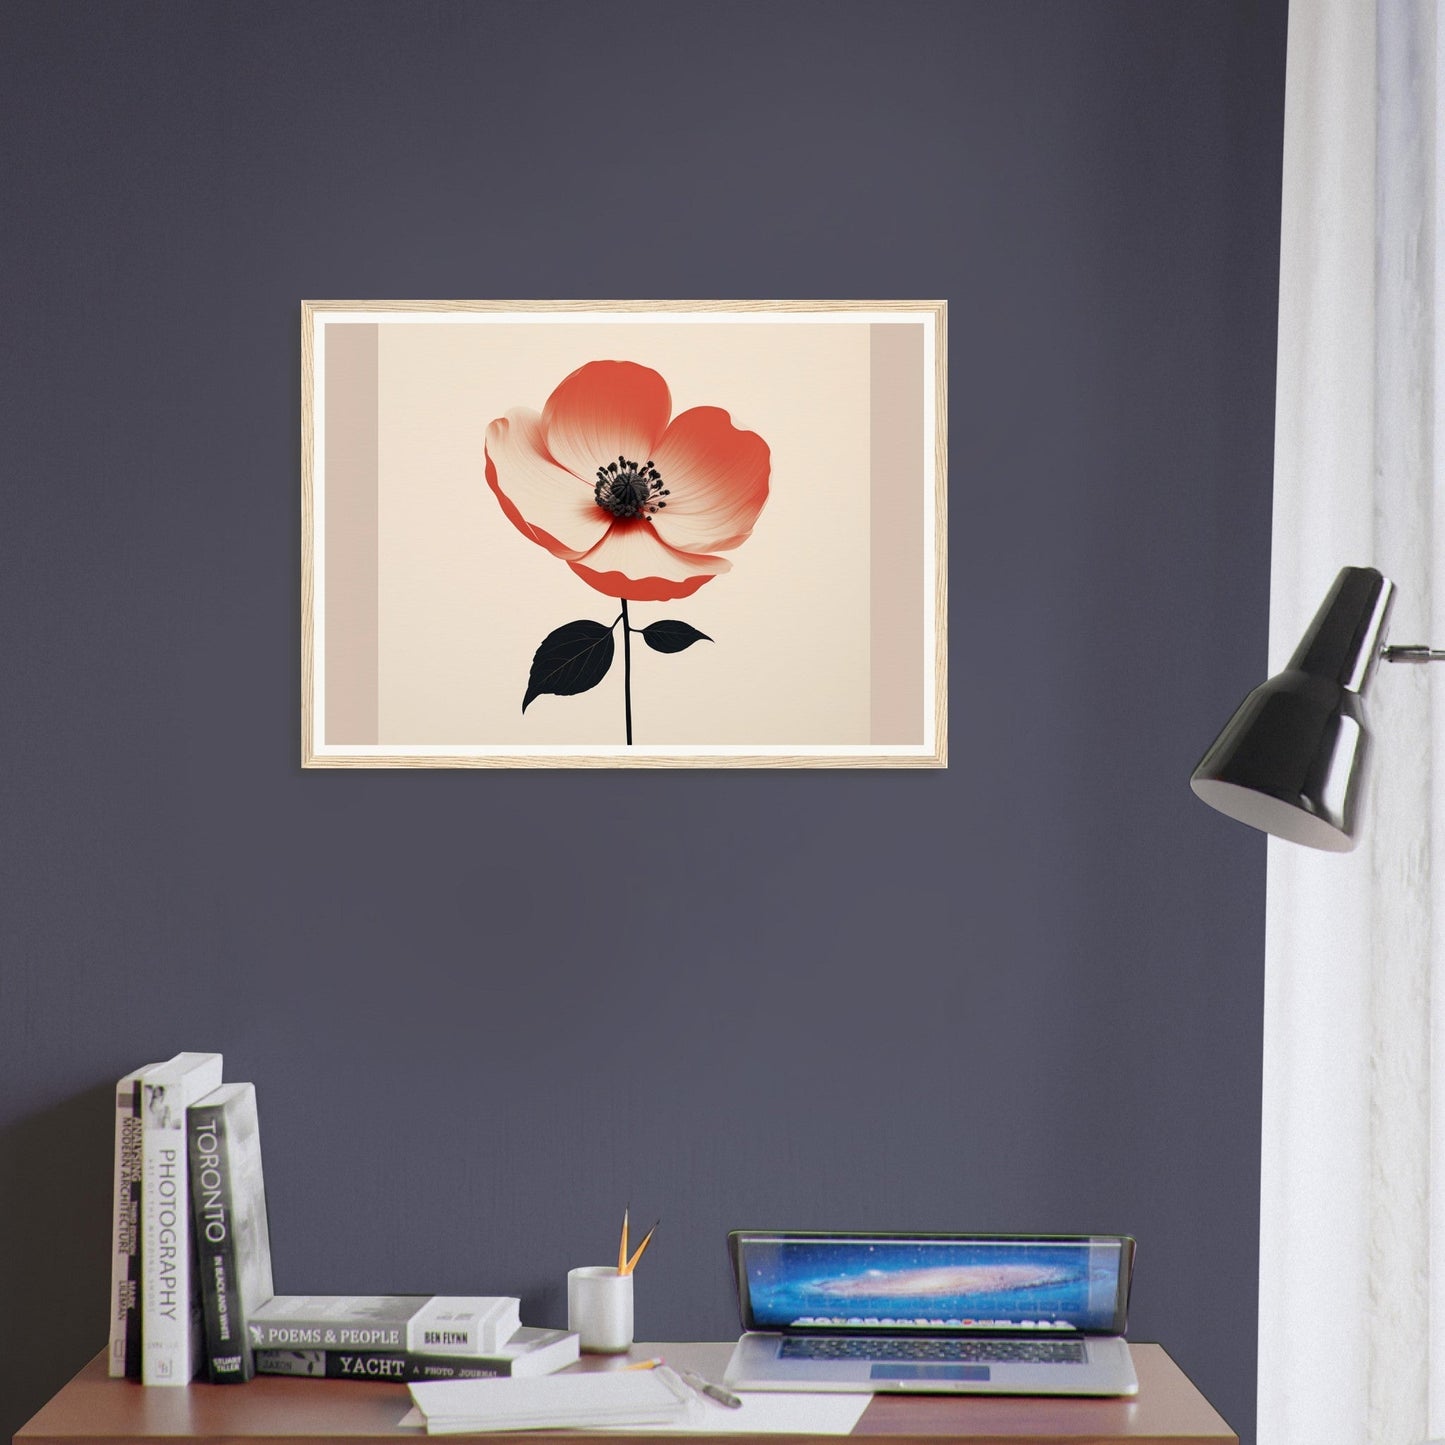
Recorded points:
(933,1313)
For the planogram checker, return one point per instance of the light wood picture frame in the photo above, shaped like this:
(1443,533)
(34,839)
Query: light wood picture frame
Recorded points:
(624,533)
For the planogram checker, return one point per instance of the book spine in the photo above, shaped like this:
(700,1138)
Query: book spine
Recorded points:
(360,1334)
(170,1308)
(168,1324)
(404,1366)
(229,1358)
(417,1324)
(124,1355)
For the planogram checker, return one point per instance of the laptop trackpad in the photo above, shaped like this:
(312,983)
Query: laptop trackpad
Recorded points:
(929,1372)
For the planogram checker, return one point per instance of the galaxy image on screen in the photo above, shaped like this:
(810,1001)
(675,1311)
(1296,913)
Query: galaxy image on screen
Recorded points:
(907,1284)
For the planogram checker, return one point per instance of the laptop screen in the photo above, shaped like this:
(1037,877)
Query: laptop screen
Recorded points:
(904,1283)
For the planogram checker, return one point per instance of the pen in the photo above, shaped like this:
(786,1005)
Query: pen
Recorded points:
(714,1392)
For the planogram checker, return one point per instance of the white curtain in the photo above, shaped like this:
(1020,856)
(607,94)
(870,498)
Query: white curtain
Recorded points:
(1352,1248)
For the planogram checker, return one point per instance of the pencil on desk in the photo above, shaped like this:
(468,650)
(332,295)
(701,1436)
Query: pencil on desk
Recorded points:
(632,1263)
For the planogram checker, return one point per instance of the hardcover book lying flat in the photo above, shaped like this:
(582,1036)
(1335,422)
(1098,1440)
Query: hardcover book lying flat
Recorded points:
(562,1402)
(422,1324)
(529,1352)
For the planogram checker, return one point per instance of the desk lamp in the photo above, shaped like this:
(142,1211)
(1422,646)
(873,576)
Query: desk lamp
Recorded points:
(1291,758)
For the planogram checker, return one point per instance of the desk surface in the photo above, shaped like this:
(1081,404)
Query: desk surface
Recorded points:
(278,1411)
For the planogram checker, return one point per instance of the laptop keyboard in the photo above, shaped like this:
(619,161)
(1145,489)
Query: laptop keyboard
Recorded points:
(970,1351)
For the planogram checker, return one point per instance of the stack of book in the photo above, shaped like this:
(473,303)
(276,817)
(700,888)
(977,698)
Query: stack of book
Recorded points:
(191,1282)
(403,1338)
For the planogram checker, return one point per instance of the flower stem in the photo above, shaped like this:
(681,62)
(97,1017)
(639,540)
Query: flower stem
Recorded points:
(627,669)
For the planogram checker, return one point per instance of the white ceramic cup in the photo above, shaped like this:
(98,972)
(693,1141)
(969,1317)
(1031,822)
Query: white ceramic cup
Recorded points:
(599,1308)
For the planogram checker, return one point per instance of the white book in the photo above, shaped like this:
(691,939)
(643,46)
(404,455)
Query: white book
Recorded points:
(423,1324)
(124,1347)
(170,1317)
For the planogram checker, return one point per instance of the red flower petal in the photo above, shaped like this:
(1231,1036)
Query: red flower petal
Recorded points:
(631,562)
(605,410)
(544,502)
(717,477)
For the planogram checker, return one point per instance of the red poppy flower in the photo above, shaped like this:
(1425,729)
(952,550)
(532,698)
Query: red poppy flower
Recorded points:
(636,505)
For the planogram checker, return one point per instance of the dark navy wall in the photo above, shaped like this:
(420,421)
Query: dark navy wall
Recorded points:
(485,1010)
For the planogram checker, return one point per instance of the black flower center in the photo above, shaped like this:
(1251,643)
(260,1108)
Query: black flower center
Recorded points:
(628,490)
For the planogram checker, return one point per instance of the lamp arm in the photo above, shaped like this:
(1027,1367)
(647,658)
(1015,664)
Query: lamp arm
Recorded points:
(1413,652)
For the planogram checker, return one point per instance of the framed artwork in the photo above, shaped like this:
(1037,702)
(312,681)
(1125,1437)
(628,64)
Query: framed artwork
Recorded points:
(623,533)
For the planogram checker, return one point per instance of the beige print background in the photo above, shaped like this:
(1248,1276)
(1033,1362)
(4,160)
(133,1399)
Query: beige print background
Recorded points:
(463,599)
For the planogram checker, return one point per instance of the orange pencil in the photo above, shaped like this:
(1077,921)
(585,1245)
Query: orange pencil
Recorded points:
(637,1254)
(622,1248)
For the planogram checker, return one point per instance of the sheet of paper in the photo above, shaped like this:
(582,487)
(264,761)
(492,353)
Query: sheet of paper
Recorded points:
(586,1400)
(763,1412)
(770,1412)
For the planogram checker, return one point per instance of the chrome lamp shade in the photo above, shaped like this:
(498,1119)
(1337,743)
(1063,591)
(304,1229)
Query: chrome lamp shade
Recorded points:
(1291,759)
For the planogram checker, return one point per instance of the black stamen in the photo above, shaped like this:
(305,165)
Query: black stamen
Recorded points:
(628,490)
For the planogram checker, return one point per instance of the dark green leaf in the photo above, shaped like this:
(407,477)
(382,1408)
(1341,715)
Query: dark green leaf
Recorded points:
(672,636)
(570,660)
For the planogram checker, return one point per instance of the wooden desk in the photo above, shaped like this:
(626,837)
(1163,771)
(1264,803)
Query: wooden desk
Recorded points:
(278,1411)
